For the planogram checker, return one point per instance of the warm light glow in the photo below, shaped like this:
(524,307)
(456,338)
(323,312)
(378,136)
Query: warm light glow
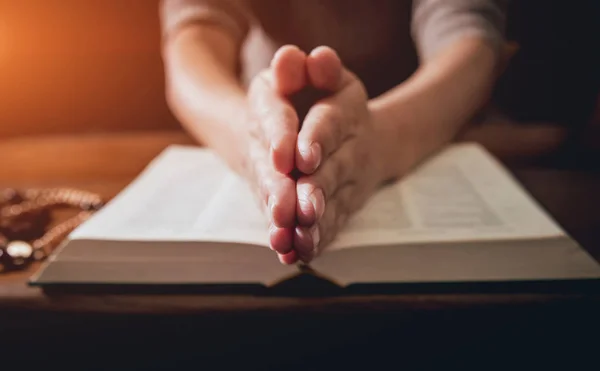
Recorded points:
(3,40)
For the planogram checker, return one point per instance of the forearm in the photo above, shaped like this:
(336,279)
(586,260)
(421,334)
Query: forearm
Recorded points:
(429,109)
(204,92)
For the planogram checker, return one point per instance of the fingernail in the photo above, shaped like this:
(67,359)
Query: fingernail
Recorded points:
(307,256)
(316,237)
(317,200)
(315,149)
(311,154)
(304,251)
(281,260)
(306,206)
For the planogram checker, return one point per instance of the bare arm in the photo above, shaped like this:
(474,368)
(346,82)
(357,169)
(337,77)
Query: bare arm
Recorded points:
(435,103)
(252,129)
(460,44)
(202,46)
(203,89)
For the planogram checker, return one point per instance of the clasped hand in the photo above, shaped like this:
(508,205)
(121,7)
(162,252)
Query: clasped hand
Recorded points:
(334,149)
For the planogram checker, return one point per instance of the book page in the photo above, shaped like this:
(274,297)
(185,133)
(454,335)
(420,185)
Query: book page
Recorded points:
(234,215)
(185,194)
(462,194)
(188,194)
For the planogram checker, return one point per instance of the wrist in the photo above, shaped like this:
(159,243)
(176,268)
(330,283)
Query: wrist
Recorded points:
(235,138)
(223,129)
(394,145)
(428,110)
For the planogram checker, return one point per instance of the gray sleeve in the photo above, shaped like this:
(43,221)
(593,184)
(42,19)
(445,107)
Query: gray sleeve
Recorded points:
(437,23)
(232,15)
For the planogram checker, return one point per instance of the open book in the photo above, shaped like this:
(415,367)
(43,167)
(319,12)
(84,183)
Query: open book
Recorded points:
(187,220)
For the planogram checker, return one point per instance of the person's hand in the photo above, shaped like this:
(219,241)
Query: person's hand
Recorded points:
(338,150)
(273,126)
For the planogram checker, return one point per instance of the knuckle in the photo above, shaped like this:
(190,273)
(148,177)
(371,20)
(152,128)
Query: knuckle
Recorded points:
(257,93)
(361,90)
(333,115)
(339,170)
(329,127)
(277,120)
(337,125)
(362,160)
(323,182)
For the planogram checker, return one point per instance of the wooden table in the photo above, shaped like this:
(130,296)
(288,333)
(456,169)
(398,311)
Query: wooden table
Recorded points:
(258,327)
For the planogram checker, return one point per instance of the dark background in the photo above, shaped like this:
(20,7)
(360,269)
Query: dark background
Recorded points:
(555,75)
(95,65)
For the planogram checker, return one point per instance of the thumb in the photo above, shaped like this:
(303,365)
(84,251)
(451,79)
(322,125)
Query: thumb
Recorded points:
(325,70)
(289,70)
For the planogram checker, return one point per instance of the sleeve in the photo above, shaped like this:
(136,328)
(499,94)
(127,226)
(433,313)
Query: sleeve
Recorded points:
(437,23)
(232,15)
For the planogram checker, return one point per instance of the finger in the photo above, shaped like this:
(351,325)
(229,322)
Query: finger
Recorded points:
(276,118)
(315,191)
(280,199)
(281,239)
(276,191)
(310,204)
(275,122)
(289,76)
(305,241)
(289,258)
(324,69)
(289,70)
(328,124)
(309,242)
(336,216)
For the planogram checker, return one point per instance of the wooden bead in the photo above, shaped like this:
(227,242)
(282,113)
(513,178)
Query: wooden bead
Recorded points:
(26,216)
(39,254)
(10,196)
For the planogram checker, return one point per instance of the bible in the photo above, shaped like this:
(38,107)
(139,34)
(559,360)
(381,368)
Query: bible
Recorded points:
(457,221)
